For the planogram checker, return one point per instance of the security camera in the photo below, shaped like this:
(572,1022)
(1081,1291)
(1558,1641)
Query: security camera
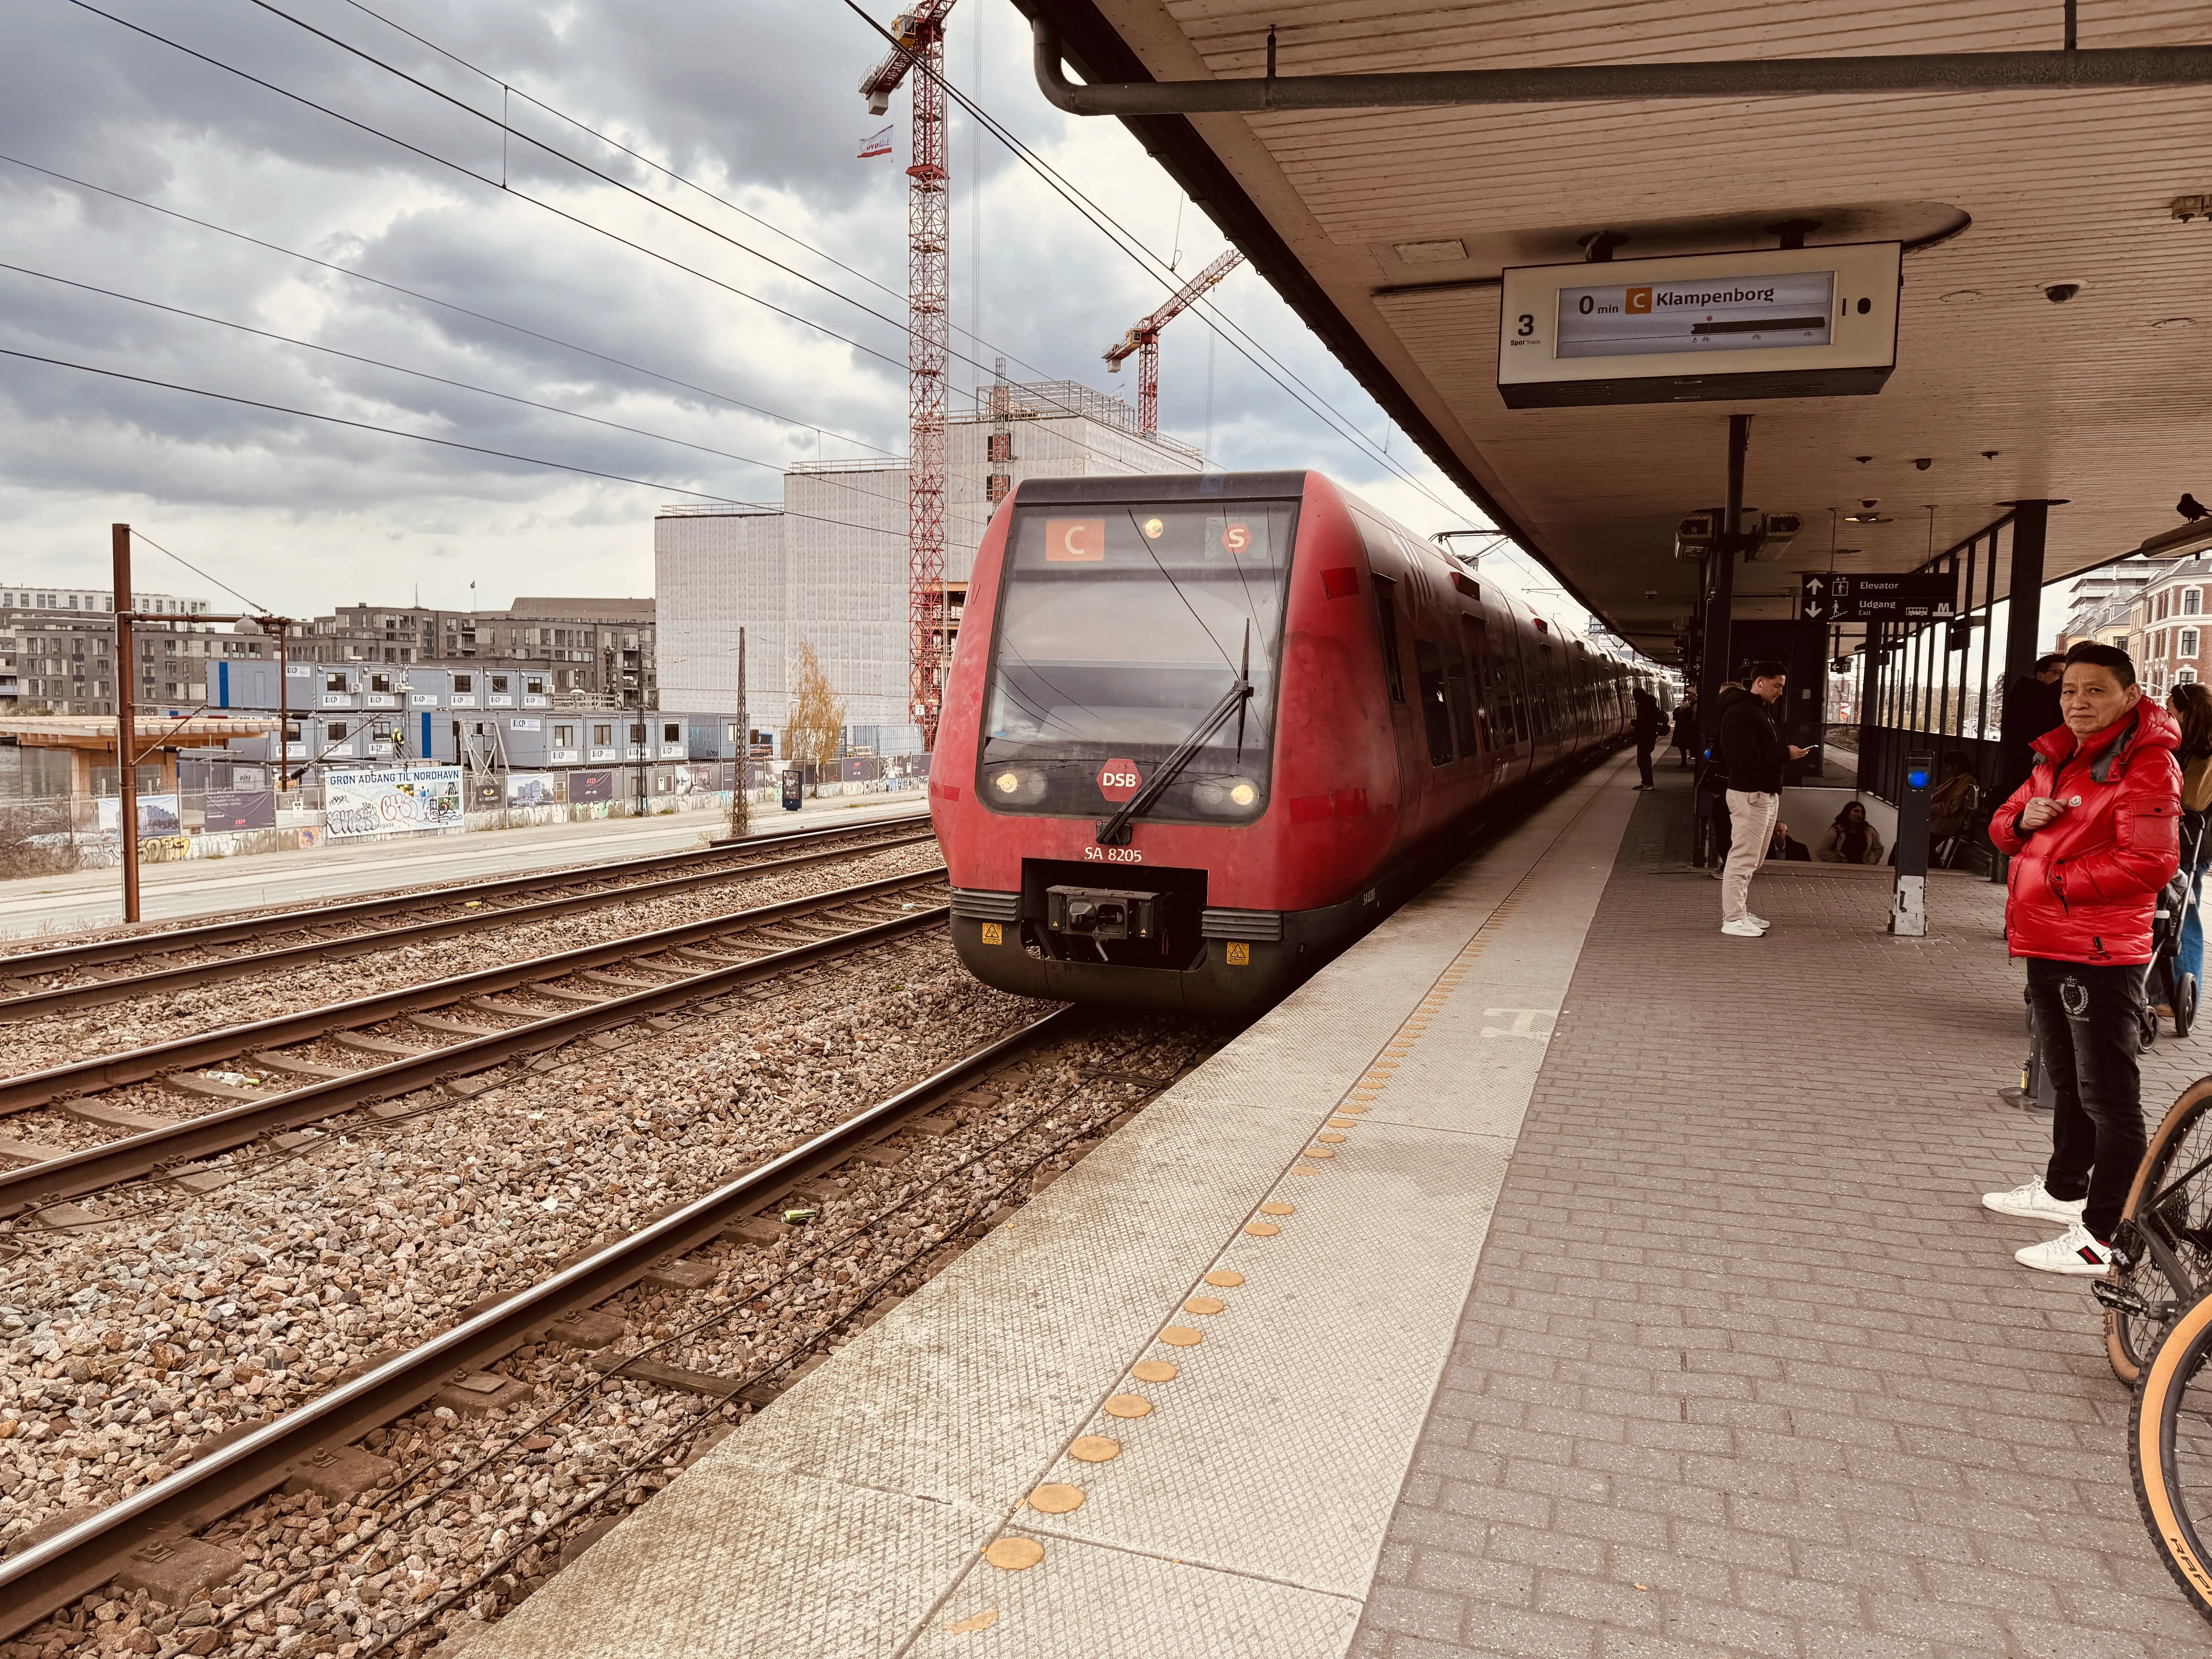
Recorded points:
(2059,293)
(1868,503)
(1925,462)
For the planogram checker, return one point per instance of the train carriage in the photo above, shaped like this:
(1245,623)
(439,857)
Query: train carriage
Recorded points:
(1202,732)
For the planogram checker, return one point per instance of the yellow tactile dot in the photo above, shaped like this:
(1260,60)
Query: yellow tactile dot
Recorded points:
(1228,1278)
(1303,1170)
(1204,1305)
(1055,1497)
(974,1622)
(1343,1122)
(1262,1229)
(1155,1370)
(1129,1405)
(1095,1448)
(1330,1140)
(1320,1152)
(1182,1336)
(1278,1209)
(1354,1110)
(1015,1554)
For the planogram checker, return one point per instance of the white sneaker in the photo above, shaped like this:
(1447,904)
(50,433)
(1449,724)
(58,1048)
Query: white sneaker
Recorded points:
(1760,922)
(2032,1200)
(1743,927)
(2075,1252)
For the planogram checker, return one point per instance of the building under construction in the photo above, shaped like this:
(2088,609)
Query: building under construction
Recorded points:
(831,569)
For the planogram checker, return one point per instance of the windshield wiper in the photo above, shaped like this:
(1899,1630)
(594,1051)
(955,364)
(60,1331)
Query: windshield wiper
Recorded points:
(1115,831)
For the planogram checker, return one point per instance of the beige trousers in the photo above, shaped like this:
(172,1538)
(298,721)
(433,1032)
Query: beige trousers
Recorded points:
(1751,826)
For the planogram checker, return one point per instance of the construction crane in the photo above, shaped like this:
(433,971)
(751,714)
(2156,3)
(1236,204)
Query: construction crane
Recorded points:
(1144,340)
(920,37)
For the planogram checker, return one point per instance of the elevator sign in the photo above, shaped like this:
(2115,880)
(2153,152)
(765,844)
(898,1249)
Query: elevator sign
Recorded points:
(1812,322)
(1919,596)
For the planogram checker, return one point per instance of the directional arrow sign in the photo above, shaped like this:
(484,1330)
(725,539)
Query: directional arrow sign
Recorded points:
(1920,595)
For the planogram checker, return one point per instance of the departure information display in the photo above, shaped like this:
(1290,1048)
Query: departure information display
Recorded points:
(1637,319)
(1803,322)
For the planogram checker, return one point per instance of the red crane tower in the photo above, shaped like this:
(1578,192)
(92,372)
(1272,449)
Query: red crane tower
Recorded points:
(1144,339)
(920,37)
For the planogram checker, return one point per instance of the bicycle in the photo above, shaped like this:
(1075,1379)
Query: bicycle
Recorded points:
(2162,1249)
(2170,1449)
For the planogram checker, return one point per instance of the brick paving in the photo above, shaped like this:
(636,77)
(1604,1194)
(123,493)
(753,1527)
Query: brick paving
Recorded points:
(1746,1368)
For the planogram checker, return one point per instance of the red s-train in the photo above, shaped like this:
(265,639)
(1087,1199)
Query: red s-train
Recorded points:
(1202,732)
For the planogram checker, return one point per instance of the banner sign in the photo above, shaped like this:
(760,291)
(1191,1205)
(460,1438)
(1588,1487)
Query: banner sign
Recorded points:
(595,784)
(242,809)
(530,789)
(389,800)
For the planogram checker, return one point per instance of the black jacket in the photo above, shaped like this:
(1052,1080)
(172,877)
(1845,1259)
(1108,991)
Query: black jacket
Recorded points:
(1650,722)
(2031,709)
(1751,748)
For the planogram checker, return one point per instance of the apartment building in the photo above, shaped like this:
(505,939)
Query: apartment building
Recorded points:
(2170,634)
(591,652)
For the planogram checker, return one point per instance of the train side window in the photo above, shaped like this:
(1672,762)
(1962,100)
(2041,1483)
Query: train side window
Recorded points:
(1461,704)
(1429,663)
(1386,618)
(1489,707)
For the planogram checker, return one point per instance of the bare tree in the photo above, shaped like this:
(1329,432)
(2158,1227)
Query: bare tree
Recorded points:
(817,727)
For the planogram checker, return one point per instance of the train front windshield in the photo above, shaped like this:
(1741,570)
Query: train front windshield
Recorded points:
(1121,627)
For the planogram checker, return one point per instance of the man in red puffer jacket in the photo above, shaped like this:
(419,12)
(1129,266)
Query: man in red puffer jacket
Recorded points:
(2095,834)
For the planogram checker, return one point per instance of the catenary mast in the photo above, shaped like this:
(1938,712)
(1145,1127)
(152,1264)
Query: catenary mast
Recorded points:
(920,37)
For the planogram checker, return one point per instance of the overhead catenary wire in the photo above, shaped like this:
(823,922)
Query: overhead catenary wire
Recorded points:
(396,369)
(507,87)
(447,305)
(602,176)
(254,605)
(1246,346)
(427,438)
(896,363)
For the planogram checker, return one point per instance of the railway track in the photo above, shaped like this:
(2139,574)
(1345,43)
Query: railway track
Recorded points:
(440,1051)
(968,1191)
(152,967)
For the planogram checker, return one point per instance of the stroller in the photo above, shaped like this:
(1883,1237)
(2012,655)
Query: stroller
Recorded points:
(2165,982)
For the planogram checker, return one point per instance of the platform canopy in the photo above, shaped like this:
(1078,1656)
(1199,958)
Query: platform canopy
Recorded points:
(1388,228)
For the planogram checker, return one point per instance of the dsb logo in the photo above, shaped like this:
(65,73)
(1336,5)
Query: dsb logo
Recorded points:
(1119,780)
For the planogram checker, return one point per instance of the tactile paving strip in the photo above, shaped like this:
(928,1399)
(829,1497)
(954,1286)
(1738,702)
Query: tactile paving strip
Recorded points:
(967,1396)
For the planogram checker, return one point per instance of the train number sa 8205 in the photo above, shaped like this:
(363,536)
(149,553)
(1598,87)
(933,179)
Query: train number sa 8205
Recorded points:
(1113,855)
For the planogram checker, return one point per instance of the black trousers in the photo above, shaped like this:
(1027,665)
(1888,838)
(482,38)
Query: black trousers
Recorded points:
(2088,1030)
(1644,748)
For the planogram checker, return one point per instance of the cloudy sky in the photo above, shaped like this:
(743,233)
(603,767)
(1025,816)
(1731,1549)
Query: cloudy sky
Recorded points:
(113,143)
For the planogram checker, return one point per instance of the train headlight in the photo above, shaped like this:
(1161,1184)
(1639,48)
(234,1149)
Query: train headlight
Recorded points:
(1229,797)
(1155,528)
(1017,786)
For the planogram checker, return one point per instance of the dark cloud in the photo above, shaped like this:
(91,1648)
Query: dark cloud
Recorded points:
(756,101)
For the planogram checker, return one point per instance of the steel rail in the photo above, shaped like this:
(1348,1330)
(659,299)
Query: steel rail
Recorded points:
(62,958)
(20,1094)
(1738,78)
(94,993)
(50,1574)
(93,1168)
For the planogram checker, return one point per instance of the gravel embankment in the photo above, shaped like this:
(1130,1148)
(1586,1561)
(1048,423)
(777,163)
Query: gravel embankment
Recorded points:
(56,1039)
(126,1346)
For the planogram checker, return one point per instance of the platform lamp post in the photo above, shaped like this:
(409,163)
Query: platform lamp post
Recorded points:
(1908,909)
(126,732)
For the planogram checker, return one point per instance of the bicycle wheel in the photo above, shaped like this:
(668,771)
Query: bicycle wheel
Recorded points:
(2166,1229)
(2170,1451)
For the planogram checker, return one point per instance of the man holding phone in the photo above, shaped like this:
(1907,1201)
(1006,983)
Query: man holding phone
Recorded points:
(1755,754)
(2093,835)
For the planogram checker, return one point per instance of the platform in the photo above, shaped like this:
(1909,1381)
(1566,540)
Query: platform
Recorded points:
(1647,1308)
